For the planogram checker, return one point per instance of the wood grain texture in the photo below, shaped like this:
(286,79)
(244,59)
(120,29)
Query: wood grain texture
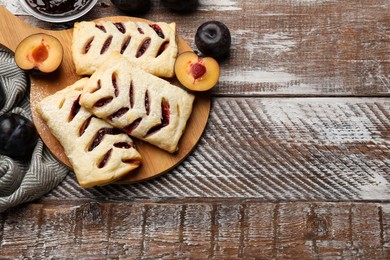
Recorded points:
(281,47)
(301,114)
(196,230)
(291,149)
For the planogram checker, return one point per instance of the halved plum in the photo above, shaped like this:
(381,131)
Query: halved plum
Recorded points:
(41,51)
(196,73)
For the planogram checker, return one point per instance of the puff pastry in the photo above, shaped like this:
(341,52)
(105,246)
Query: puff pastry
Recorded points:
(99,153)
(145,106)
(152,47)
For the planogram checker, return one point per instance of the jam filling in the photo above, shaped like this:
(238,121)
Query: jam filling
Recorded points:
(162,48)
(123,145)
(144,46)
(165,117)
(100,135)
(85,126)
(158,30)
(118,113)
(105,159)
(101,27)
(120,27)
(147,105)
(75,109)
(115,84)
(140,30)
(103,101)
(106,44)
(58,8)
(88,45)
(165,114)
(125,44)
(131,95)
(130,128)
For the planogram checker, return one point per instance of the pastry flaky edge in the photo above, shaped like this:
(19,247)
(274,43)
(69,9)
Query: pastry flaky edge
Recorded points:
(142,86)
(68,122)
(93,35)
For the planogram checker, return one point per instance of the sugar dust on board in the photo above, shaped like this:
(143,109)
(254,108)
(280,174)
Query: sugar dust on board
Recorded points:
(58,7)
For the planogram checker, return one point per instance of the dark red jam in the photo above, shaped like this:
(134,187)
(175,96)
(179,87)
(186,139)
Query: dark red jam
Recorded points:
(58,7)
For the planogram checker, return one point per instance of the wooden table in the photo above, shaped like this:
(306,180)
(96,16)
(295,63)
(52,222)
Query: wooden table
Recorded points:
(294,161)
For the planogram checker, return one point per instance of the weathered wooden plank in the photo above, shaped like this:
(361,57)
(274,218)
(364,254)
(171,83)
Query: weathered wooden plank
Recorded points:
(384,216)
(276,149)
(288,47)
(197,230)
(366,230)
(331,237)
(290,224)
(21,231)
(162,236)
(260,230)
(227,229)
(228,235)
(59,225)
(127,227)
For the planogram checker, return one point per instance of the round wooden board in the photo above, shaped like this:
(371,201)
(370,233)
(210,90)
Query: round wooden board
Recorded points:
(154,160)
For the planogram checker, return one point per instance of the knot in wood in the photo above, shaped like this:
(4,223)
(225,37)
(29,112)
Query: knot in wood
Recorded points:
(317,227)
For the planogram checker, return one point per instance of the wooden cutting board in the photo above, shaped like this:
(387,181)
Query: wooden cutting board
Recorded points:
(155,161)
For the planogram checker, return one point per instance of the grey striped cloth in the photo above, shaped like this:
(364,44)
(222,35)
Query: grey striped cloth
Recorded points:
(23,180)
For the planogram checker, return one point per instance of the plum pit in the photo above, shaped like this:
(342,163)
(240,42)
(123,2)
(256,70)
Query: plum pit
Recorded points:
(197,70)
(196,73)
(40,53)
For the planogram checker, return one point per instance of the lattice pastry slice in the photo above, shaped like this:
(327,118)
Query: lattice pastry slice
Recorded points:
(145,106)
(152,47)
(99,153)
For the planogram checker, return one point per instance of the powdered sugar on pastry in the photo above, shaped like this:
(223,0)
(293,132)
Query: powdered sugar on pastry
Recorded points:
(145,106)
(99,153)
(152,47)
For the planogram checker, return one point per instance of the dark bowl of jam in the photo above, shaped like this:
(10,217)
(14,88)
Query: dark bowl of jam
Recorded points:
(58,11)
